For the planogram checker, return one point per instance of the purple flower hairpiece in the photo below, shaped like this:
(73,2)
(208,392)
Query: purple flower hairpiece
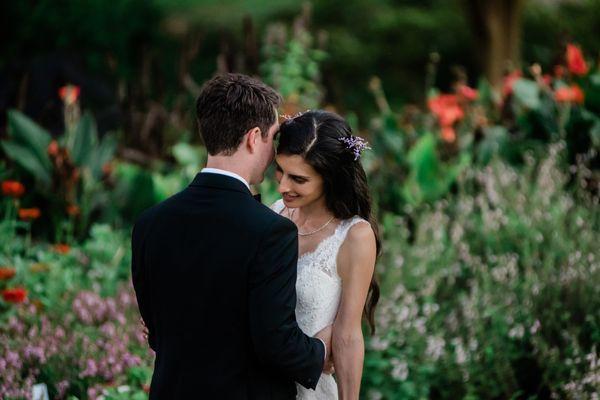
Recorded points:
(356,144)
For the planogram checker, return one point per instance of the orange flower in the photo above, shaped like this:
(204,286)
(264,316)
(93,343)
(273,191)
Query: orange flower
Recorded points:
(13,189)
(53,148)
(575,61)
(569,94)
(448,111)
(73,210)
(29,214)
(6,273)
(509,81)
(446,108)
(467,92)
(61,248)
(69,94)
(107,169)
(14,295)
(448,134)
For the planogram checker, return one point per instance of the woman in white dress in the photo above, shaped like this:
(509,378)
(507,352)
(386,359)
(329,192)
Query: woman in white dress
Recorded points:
(324,192)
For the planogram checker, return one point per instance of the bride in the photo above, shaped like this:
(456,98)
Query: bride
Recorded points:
(324,192)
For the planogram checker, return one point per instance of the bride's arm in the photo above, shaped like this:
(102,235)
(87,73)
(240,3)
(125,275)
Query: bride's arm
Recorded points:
(356,262)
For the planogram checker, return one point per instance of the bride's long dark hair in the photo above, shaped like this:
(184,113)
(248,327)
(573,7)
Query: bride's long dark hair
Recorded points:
(315,135)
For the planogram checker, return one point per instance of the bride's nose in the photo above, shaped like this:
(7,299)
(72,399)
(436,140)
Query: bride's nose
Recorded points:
(283,185)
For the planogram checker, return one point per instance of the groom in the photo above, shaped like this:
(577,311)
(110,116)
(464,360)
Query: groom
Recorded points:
(214,270)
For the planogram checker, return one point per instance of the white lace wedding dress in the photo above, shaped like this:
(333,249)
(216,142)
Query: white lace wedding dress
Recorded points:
(319,289)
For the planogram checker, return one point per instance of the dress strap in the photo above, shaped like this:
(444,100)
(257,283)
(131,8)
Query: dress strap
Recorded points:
(278,206)
(332,249)
(346,225)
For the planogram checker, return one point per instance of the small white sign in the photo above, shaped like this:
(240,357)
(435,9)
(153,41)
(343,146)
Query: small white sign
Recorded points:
(39,392)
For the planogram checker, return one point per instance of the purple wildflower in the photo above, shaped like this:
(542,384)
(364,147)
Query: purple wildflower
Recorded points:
(356,144)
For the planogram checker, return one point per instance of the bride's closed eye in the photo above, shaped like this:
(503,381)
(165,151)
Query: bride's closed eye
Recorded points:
(298,179)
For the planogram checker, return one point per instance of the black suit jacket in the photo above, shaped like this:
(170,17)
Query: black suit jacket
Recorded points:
(214,273)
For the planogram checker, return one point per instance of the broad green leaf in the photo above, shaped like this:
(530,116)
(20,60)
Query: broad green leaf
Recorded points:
(493,143)
(27,133)
(26,158)
(84,141)
(527,93)
(102,154)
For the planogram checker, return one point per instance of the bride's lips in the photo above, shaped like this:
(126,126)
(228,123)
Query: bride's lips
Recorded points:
(289,198)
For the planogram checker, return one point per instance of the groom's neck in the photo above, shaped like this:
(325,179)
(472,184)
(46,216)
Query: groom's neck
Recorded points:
(230,163)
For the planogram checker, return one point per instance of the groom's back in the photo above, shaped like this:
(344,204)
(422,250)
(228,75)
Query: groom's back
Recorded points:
(193,254)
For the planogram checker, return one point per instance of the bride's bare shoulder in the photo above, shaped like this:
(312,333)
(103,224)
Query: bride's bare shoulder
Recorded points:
(280,208)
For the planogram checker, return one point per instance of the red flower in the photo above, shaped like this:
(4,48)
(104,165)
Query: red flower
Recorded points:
(569,94)
(575,61)
(69,94)
(448,111)
(509,81)
(61,248)
(547,79)
(73,210)
(467,92)
(29,214)
(53,148)
(13,189)
(6,273)
(14,295)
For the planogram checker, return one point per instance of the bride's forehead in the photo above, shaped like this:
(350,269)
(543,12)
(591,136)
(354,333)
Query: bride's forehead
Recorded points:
(293,163)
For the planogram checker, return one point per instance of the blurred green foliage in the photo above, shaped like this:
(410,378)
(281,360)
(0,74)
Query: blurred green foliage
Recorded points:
(392,38)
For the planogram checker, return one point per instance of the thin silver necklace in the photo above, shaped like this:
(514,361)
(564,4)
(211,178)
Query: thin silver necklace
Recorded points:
(311,232)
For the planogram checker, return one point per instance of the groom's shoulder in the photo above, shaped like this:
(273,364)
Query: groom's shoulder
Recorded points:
(262,220)
(269,218)
(149,214)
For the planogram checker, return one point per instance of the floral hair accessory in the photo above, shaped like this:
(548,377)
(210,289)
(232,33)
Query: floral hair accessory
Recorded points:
(356,144)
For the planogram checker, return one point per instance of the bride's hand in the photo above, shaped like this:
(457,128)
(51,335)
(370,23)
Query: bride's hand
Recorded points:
(329,368)
(325,336)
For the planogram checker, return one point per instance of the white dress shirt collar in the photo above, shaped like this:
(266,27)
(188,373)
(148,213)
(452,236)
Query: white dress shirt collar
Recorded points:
(227,173)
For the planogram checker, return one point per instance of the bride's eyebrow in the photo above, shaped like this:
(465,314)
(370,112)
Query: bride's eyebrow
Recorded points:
(299,177)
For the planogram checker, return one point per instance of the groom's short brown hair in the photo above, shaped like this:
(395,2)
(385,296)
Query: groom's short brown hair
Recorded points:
(229,105)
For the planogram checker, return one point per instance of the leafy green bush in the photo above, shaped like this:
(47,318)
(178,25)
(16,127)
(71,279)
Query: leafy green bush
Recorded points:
(65,176)
(417,154)
(492,292)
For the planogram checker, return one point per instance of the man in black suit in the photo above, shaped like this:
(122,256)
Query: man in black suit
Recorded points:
(214,270)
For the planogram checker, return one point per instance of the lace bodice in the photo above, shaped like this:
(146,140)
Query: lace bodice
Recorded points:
(319,290)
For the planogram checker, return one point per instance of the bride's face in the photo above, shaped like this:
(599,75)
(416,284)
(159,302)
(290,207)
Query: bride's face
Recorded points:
(299,183)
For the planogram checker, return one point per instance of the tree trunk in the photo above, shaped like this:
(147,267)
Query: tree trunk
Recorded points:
(496,25)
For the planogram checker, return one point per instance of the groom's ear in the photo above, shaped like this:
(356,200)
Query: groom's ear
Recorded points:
(251,138)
